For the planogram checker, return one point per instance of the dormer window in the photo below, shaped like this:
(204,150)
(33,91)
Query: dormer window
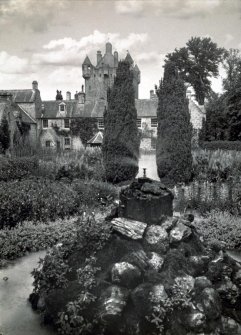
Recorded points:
(62,107)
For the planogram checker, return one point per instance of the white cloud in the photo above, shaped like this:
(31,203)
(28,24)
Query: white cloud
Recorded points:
(150,57)
(129,7)
(13,64)
(71,52)
(175,8)
(36,15)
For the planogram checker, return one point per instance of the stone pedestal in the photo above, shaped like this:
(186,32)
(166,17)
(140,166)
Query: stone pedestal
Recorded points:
(146,200)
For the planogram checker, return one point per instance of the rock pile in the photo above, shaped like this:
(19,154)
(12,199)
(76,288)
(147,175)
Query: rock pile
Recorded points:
(157,276)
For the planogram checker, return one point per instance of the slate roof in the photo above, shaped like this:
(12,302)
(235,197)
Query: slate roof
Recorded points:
(51,108)
(96,139)
(27,95)
(87,61)
(146,107)
(129,58)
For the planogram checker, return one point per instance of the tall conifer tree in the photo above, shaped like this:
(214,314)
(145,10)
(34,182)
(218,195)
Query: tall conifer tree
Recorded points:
(4,134)
(173,152)
(121,137)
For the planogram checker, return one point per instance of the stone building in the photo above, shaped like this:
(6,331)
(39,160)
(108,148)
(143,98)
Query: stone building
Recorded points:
(21,108)
(49,121)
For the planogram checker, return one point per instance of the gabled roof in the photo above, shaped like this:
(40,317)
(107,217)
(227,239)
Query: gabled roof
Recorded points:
(87,61)
(27,95)
(96,139)
(146,107)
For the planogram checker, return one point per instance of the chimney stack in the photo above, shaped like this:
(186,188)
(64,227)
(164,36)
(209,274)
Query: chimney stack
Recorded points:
(34,85)
(68,96)
(99,56)
(152,95)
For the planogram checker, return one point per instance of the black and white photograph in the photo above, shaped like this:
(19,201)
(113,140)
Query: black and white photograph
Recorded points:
(120,167)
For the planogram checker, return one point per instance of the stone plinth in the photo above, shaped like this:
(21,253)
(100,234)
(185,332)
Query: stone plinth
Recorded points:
(146,200)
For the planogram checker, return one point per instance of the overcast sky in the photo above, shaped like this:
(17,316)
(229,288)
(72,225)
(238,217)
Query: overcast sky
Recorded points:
(47,40)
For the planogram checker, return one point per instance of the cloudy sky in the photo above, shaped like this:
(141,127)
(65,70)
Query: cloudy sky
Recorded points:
(47,40)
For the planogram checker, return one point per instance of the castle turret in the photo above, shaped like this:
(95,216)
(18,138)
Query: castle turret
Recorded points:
(108,48)
(129,58)
(87,67)
(115,59)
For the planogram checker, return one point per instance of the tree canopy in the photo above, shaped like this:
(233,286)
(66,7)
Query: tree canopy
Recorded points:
(197,62)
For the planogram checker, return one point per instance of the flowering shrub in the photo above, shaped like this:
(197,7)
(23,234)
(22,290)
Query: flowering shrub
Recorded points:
(220,227)
(37,200)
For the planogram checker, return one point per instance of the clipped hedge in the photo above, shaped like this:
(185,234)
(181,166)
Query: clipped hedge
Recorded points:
(35,199)
(222,145)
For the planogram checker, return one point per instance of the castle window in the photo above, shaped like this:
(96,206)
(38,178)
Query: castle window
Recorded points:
(67,141)
(138,123)
(48,144)
(153,142)
(66,123)
(100,74)
(45,123)
(154,122)
(90,88)
(101,123)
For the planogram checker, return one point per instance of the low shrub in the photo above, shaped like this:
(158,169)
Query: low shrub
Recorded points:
(220,227)
(91,192)
(36,200)
(17,167)
(31,237)
(221,145)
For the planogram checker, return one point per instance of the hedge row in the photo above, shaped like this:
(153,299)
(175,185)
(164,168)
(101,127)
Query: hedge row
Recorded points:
(222,145)
(45,200)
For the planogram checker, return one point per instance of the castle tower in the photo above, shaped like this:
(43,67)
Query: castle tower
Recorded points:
(100,77)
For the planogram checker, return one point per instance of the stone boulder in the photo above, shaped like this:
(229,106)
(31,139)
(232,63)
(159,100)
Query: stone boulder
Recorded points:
(125,274)
(156,238)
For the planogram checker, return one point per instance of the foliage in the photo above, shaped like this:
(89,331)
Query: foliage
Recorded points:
(218,165)
(32,236)
(220,226)
(17,167)
(121,136)
(232,66)
(91,236)
(35,199)
(94,192)
(221,145)
(216,118)
(4,134)
(197,62)
(51,272)
(85,128)
(92,166)
(174,133)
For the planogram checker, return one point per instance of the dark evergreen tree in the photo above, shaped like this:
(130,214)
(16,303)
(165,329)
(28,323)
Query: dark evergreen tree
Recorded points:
(216,118)
(121,137)
(173,151)
(233,102)
(4,134)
